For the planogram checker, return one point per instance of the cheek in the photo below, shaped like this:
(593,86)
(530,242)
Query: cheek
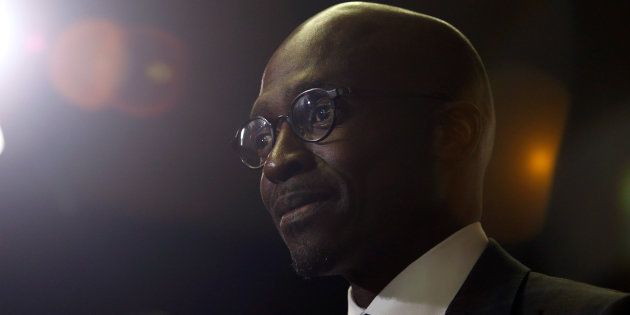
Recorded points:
(379,165)
(349,150)
(266,188)
(351,168)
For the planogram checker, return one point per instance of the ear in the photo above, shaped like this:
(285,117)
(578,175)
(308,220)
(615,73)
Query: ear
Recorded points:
(457,130)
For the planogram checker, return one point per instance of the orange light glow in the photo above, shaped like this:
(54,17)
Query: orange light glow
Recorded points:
(531,108)
(541,162)
(88,63)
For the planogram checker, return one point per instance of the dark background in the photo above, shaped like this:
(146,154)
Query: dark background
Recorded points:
(107,211)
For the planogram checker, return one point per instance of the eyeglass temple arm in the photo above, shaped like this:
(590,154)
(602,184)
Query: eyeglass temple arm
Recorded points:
(372,93)
(338,92)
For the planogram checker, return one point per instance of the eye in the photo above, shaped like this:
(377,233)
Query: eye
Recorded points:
(322,116)
(262,141)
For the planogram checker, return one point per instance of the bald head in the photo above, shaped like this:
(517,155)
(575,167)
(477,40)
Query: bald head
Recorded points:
(393,175)
(384,48)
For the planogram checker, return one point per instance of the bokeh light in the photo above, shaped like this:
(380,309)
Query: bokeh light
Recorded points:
(98,64)
(6,32)
(531,108)
(88,63)
(155,74)
(159,73)
(541,162)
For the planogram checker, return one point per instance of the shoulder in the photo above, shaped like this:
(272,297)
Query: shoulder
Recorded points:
(499,284)
(542,294)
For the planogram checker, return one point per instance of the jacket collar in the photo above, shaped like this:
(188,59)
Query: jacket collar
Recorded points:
(429,284)
(492,285)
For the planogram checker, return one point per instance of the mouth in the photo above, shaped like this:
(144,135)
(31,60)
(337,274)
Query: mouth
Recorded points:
(298,206)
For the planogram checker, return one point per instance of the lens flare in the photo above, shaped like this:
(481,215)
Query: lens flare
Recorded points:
(156,73)
(159,72)
(6,32)
(88,63)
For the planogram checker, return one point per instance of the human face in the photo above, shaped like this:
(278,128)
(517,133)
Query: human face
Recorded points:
(334,200)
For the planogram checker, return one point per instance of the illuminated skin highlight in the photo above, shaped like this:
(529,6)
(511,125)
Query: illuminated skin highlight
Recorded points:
(396,175)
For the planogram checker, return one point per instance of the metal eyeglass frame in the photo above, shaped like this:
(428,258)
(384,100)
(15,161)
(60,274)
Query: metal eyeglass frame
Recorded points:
(332,94)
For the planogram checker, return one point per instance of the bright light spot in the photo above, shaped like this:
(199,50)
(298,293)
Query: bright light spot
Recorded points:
(6,32)
(1,141)
(159,72)
(35,43)
(540,162)
(89,62)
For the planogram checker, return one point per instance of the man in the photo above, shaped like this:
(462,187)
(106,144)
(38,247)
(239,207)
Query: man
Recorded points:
(373,129)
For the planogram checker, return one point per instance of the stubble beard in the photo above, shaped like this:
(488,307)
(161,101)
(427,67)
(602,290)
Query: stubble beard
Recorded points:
(310,262)
(313,257)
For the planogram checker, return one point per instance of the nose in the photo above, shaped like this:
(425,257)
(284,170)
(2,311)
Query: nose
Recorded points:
(289,156)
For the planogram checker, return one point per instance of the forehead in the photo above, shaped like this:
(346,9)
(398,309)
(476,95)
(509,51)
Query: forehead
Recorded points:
(345,49)
(290,72)
(305,60)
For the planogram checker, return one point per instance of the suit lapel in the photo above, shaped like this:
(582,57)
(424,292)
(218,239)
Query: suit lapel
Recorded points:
(491,286)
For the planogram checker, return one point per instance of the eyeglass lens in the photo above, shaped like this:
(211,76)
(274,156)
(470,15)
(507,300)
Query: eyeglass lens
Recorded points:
(254,141)
(311,119)
(313,115)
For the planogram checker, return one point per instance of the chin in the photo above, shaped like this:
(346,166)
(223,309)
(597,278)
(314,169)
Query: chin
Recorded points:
(309,263)
(316,251)
(319,248)
(318,235)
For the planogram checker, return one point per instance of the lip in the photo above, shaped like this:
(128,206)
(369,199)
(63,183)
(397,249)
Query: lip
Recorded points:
(297,204)
(300,214)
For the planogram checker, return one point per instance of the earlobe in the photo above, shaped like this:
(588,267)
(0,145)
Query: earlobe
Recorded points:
(456,131)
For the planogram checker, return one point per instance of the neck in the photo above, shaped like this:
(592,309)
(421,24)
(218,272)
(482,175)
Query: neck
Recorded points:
(381,264)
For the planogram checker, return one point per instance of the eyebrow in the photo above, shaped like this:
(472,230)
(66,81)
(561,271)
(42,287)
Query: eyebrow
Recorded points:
(261,108)
(306,85)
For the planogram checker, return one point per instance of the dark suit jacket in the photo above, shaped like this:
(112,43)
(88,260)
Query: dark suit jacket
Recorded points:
(499,284)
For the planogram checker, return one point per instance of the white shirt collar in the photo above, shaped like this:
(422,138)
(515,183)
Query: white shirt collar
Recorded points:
(429,284)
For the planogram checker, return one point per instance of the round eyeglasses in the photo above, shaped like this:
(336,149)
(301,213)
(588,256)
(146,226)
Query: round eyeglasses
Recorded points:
(312,118)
